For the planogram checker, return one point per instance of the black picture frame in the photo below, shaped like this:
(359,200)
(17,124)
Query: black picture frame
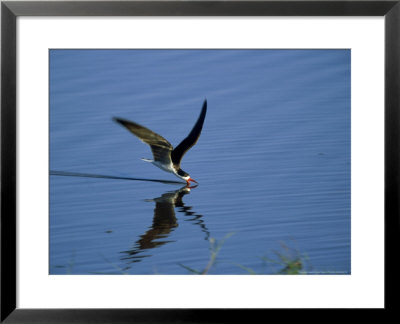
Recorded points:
(10,10)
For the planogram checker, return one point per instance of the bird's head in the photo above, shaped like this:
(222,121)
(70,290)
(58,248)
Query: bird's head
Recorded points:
(189,179)
(185,176)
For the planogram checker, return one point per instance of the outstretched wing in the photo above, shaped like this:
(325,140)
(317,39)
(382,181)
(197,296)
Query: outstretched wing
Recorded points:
(160,147)
(191,139)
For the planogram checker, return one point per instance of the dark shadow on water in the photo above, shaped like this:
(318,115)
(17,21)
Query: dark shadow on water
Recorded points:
(88,175)
(164,223)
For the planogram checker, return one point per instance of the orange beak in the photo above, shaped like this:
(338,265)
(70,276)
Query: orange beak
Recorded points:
(190,179)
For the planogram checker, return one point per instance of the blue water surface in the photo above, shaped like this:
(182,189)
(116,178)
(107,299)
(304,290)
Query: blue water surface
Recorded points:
(272,162)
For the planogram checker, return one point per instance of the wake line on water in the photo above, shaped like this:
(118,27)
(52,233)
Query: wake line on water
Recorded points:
(89,175)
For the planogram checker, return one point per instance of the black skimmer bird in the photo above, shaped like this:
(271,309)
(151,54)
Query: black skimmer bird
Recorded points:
(165,156)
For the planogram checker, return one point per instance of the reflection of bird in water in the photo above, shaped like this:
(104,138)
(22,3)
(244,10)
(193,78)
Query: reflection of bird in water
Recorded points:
(164,222)
(164,155)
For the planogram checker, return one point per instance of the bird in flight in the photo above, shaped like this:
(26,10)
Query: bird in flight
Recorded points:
(165,156)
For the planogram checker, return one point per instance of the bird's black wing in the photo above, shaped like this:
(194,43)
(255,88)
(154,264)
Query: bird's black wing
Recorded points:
(160,147)
(191,139)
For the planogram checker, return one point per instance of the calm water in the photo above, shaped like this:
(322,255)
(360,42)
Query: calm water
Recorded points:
(273,161)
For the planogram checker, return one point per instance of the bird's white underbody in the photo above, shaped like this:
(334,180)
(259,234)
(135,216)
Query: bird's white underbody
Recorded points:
(166,167)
